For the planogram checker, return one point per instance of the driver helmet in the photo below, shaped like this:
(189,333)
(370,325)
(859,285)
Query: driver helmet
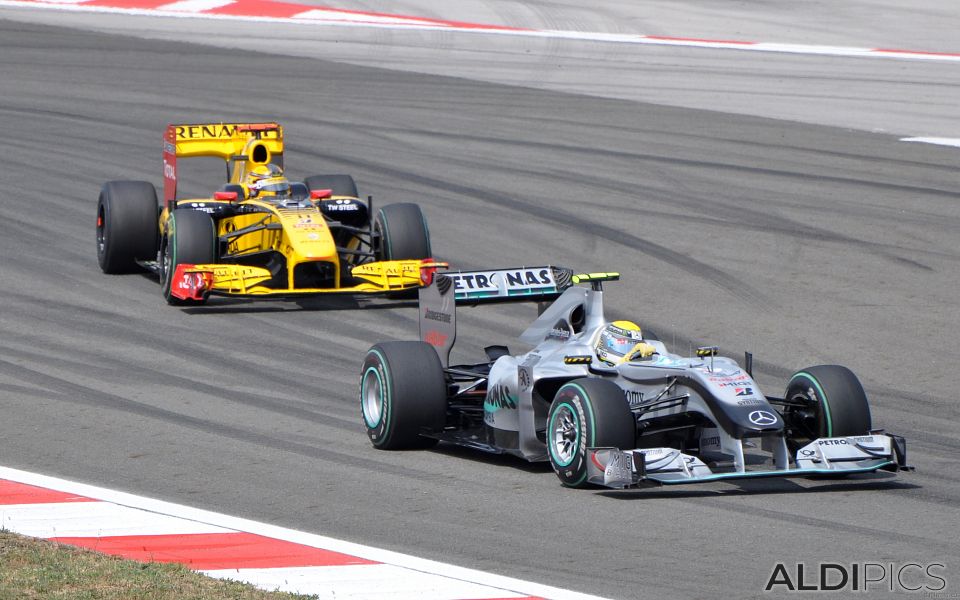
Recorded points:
(616,340)
(267,180)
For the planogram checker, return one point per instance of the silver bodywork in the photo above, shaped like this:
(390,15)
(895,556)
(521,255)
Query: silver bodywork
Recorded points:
(736,421)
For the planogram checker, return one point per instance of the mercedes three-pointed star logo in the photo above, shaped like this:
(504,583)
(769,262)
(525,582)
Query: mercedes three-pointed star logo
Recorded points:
(762,418)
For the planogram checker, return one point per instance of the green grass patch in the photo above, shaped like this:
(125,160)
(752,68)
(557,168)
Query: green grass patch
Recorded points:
(33,568)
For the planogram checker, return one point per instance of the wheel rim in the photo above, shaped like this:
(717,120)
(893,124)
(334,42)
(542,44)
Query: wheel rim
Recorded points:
(371,398)
(802,418)
(565,435)
(101,225)
(165,258)
(378,242)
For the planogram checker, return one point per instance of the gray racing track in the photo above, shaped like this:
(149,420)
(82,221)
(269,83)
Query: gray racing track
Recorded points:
(806,244)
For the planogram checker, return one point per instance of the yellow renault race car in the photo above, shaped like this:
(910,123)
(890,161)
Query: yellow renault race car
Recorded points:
(259,234)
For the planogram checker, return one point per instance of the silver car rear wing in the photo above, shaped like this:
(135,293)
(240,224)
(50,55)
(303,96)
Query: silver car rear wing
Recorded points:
(438,300)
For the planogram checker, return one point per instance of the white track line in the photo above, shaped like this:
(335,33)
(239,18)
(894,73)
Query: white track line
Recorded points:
(317,17)
(194,6)
(94,519)
(383,582)
(934,140)
(469,579)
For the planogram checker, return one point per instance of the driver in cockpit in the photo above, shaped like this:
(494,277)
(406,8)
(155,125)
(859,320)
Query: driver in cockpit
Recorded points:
(621,341)
(266,180)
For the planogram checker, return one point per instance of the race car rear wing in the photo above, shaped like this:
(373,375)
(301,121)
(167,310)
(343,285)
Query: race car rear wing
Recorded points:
(438,300)
(256,143)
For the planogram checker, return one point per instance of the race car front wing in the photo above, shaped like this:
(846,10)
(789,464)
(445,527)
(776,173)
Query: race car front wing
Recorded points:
(618,469)
(196,282)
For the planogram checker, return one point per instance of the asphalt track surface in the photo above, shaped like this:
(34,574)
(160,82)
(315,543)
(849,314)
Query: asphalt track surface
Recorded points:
(804,243)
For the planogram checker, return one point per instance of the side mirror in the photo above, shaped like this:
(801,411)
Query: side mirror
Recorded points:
(228,196)
(320,194)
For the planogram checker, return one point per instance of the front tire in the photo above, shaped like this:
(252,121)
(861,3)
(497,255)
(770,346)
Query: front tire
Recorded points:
(190,240)
(339,185)
(586,413)
(127,228)
(824,401)
(402,234)
(403,393)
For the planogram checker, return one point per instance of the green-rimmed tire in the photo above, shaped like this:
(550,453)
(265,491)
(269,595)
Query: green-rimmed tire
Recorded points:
(190,240)
(586,413)
(401,233)
(824,401)
(403,394)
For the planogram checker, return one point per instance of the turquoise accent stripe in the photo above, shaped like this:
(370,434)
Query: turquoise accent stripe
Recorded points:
(510,293)
(384,411)
(593,420)
(823,399)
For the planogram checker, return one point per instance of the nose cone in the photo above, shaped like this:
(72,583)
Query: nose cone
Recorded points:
(308,234)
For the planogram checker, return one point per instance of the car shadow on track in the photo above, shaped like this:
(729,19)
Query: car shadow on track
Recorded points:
(489,458)
(220,306)
(771,486)
(745,487)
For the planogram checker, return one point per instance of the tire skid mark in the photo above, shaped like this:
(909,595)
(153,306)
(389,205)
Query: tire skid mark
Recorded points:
(737,507)
(197,353)
(706,164)
(717,277)
(760,220)
(732,216)
(763,221)
(74,393)
(147,375)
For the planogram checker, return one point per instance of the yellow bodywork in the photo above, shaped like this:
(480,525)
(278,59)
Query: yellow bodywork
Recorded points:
(383,276)
(247,227)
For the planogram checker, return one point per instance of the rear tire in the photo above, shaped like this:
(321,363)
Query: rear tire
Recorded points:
(127,225)
(403,393)
(586,413)
(340,185)
(402,233)
(190,240)
(832,404)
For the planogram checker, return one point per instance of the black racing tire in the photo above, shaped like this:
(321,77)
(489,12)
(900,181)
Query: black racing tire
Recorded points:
(401,233)
(403,393)
(824,401)
(340,185)
(586,413)
(127,225)
(191,239)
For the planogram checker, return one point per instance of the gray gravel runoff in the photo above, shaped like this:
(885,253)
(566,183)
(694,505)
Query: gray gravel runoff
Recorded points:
(804,243)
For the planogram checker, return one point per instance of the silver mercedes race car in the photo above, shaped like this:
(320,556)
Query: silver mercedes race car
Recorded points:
(606,405)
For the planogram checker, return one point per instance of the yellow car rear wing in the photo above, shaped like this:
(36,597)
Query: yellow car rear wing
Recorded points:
(238,144)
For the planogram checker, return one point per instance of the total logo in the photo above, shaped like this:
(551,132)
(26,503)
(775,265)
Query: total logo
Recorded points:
(762,418)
